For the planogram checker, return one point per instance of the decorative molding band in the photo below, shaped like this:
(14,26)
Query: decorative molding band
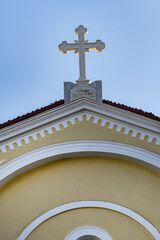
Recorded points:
(2,161)
(94,233)
(90,204)
(77,149)
(80,117)
(76,107)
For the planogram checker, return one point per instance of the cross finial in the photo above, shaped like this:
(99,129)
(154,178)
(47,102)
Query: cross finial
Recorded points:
(81,46)
(81,30)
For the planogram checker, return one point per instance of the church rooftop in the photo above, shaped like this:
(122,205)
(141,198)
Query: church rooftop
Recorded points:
(60,102)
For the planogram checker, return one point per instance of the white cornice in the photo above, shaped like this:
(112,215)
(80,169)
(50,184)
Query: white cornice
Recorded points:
(77,149)
(66,112)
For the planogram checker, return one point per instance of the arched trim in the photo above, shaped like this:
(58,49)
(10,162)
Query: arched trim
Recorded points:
(90,204)
(76,149)
(97,233)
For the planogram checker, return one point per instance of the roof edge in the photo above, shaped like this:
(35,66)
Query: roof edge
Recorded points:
(61,102)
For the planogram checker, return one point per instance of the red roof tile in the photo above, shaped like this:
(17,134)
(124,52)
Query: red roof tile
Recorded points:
(58,103)
(33,113)
(134,110)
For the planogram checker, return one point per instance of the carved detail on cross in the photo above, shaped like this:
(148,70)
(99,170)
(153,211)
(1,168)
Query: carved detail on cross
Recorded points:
(81,46)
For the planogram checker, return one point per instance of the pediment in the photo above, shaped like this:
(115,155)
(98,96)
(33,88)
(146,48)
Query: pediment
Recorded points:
(83,111)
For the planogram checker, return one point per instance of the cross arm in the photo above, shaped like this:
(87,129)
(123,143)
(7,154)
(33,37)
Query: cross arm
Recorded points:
(98,45)
(64,46)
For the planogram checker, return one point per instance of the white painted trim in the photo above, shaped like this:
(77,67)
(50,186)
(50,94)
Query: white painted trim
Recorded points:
(89,231)
(2,161)
(76,149)
(90,204)
(76,109)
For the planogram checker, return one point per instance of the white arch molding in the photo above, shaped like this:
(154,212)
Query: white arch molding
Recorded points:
(94,232)
(90,204)
(76,149)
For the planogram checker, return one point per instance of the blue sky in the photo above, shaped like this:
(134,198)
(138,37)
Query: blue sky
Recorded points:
(32,69)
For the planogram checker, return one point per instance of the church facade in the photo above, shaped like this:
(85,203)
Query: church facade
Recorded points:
(80,169)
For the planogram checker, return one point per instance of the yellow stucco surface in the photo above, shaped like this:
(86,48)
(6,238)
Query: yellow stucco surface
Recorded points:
(28,196)
(59,227)
(80,131)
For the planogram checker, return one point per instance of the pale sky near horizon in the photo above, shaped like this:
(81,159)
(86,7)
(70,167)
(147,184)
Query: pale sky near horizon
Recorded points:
(32,69)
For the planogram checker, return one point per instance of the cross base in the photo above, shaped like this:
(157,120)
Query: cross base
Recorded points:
(74,91)
(87,81)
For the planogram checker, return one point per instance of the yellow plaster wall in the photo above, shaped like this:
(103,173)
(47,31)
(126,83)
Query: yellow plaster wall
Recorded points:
(85,130)
(28,196)
(117,225)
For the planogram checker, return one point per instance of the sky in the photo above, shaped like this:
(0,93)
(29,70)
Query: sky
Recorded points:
(33,70)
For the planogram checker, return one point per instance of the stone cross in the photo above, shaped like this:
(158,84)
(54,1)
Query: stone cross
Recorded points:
(81,46)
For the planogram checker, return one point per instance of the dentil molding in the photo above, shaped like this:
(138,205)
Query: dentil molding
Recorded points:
(69,113)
